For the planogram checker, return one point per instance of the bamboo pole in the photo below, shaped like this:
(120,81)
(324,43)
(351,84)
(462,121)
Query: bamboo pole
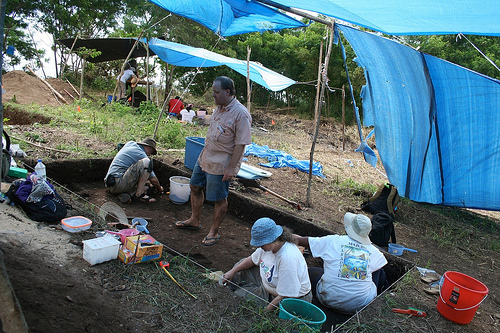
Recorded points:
(39,146)
(74,89)
(343,118)
(81,78)
(308,193)
(318,111)
(297,12)
(69,54)
(48,85)
(249,88)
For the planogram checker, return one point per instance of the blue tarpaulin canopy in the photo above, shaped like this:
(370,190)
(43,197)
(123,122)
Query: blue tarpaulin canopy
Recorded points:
(231,17)
(395,17)
(436,123)
(417,17)
(187,56)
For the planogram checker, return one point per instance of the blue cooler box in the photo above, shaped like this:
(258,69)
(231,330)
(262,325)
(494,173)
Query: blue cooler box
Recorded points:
(194,145)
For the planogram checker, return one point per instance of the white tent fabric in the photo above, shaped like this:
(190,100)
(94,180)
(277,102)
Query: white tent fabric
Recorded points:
(187,56)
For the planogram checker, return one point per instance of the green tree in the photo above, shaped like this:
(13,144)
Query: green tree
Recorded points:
(458,49)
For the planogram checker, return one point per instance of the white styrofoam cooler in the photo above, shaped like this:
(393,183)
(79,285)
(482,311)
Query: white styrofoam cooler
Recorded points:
(100,249)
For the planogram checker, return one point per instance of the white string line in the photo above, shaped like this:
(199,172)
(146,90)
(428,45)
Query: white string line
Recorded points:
(460,35)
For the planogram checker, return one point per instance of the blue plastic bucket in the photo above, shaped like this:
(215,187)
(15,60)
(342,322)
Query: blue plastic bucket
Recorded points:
(194,146)
(305,312)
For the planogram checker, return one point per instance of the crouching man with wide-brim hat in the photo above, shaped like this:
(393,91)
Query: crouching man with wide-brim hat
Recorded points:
(130,175)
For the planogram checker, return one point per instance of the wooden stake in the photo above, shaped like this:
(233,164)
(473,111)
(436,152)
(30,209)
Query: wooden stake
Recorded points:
(74,89)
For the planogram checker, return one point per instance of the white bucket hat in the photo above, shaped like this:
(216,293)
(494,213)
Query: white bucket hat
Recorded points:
(358,227)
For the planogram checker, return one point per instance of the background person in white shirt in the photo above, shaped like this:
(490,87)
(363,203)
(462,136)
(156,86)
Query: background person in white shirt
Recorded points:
(127,74)
(187,114)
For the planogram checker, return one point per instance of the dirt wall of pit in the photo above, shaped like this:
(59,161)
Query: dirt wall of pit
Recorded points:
(93,170)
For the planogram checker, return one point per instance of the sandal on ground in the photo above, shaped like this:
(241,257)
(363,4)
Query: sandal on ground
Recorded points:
(209,241)
(432,288)
(150,190)
(430,277)
(144,198)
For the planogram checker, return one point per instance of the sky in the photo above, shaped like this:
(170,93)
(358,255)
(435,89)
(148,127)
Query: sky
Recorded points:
(44,41)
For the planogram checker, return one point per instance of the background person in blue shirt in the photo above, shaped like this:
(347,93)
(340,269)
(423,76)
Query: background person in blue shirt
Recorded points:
(130,175)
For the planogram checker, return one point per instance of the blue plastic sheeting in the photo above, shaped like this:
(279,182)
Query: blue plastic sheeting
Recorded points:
(417,17)
(230,17)
(187,56)
(279,159)
(396,17)
(436,124)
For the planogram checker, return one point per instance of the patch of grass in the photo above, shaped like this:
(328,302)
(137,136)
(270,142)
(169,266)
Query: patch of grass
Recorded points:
(348,186)
(116,123)
(35,137)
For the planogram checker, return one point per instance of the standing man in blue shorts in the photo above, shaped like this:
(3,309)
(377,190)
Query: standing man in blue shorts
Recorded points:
(220,159)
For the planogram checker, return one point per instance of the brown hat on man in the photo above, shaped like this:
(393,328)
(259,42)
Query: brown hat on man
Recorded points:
(150,143)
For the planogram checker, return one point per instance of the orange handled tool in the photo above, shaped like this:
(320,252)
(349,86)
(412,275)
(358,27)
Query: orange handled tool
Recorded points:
(165,265)
(411,311)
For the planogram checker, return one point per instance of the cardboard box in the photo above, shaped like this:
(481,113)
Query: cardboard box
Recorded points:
(149,249)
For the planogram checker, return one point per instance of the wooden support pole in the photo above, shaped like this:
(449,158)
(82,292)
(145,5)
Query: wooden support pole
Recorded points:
(74,89)
(249,87)
(324,76)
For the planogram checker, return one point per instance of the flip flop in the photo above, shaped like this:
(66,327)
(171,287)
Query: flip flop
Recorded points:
(432,288)
(213,240)
(182,225)
(430,277)
(144,198)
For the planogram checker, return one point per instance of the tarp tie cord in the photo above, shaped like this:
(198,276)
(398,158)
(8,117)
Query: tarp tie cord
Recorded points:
(170,14)
(368,153)
(460,35)
(185,89)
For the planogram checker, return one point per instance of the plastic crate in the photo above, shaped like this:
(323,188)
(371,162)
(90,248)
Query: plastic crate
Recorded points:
(76,223)
(100,249)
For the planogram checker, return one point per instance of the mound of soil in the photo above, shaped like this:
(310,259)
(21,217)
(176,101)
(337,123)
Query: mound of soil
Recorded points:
(23,88)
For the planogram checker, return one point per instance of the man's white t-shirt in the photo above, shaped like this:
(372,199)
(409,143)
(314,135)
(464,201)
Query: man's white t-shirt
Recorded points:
(346,284)
(283,273)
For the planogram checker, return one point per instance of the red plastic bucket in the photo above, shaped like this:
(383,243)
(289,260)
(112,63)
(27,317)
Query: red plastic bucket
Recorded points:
(460,296)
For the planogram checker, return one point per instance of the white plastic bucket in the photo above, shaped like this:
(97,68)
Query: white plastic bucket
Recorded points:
(179,190)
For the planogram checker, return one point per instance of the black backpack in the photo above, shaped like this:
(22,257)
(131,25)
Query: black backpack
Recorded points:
(384,200)
(382,229)
(51,210)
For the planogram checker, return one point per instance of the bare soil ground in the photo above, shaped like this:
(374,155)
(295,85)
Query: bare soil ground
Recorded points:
(60,292)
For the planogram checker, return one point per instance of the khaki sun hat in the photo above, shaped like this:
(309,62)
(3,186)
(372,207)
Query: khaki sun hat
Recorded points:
(150,143)
(358,227)
(134,81)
